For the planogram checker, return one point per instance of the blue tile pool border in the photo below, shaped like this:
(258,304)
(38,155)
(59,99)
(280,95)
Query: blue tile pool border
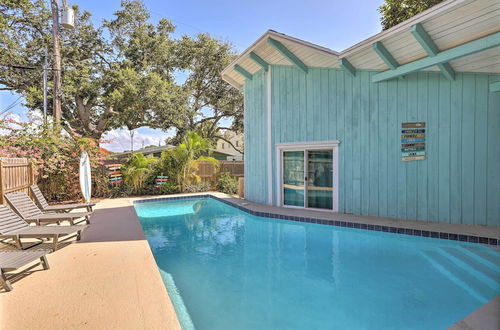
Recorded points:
(340,223)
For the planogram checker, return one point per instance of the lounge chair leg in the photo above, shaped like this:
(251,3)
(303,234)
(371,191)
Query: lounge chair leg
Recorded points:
(54,242)
(5,282)
(45,263)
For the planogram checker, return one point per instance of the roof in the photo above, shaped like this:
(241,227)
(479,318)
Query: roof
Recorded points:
(145,151)
(225,153)
(448,25)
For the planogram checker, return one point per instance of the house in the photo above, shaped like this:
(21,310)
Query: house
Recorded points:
(234,148)
(405,124)
(155,151)
(221,154)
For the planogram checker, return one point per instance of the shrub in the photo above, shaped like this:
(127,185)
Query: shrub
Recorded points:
(56,156)
(137,171)
(227,184)
(181,163)
(197,187)
(169,188)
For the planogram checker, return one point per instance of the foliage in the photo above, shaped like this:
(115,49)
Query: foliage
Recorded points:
(181,163)
(170,187)
(120,73)
(227,184)
(197,187)
(397,11)
(210,99)
(137,170)
(56,157)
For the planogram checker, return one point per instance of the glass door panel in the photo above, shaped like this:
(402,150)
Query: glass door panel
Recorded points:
(293,178)
(320,179)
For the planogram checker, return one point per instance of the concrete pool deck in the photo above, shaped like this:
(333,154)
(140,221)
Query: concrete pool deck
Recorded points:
(109,280)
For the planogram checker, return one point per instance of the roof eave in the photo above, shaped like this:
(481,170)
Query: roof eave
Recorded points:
(406,25)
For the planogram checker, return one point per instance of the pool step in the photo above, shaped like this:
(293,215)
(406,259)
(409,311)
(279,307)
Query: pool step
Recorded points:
(459,276)
(485,255)
(486,273)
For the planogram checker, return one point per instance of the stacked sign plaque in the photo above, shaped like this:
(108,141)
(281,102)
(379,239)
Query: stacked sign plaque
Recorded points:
(115,173)
(413,141)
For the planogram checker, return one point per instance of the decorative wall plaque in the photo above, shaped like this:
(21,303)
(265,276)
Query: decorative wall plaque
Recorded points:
(413,141)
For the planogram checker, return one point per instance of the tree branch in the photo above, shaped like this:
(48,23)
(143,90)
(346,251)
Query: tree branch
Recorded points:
(230,143)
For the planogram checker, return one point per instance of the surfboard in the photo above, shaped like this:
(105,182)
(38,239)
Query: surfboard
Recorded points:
(85,177)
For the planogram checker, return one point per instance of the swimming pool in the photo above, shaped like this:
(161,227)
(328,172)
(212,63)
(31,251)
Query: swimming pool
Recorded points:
(227,269)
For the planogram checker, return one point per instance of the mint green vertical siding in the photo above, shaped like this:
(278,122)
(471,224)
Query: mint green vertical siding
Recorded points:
(458,183)
(256,139)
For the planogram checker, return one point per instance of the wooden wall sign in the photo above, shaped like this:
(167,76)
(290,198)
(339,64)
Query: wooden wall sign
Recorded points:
(413,141)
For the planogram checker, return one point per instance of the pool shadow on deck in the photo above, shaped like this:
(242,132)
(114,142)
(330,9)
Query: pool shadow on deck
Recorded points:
(112,225)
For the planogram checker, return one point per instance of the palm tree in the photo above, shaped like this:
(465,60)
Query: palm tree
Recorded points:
(137,169)
(186,157)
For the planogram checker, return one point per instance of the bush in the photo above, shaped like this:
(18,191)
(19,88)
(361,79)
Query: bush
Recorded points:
(56,156)
(227,184)
(169,188)
(138,171)
(197,187)
(181,164)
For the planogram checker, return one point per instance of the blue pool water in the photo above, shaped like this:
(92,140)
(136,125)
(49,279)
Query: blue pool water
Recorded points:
(226,269)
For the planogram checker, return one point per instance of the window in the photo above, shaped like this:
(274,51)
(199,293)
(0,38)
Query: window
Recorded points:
(237,144)
(222,145)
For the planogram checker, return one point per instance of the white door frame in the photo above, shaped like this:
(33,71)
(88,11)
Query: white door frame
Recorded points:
(304,146)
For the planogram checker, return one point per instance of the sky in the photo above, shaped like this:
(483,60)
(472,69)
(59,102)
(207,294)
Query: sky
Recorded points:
(336,24)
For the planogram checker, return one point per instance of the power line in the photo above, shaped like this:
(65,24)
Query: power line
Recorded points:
(190,26)
(19,66)
(12,105)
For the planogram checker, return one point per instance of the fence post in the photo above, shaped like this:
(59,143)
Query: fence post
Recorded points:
(30,176)
(241,187)
(1,181)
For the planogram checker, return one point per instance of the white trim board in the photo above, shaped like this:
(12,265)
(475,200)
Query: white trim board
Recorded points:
(269,139)
(315,145)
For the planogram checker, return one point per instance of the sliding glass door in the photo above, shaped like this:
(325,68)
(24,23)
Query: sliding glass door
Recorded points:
(307,178)
(293,178)
(319,179)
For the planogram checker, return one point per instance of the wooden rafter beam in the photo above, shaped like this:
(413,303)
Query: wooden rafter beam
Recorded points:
(243,72)
(472,47)
(425,40)
(384,54)
(447,70)
(288,54)
(259,60)
(347,66)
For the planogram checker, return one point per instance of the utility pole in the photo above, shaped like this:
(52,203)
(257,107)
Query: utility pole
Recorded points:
(56,63)
(132,133)
(45,69)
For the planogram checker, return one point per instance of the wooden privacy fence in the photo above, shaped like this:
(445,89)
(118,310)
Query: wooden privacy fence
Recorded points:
(16,174)
(208,172)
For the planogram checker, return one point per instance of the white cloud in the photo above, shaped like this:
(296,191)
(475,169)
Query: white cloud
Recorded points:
(12,116)
(119,139)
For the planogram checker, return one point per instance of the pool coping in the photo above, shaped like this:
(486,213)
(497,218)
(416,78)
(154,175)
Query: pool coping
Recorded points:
(345,220)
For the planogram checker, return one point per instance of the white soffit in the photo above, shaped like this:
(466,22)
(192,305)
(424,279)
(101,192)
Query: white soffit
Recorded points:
(449,24)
